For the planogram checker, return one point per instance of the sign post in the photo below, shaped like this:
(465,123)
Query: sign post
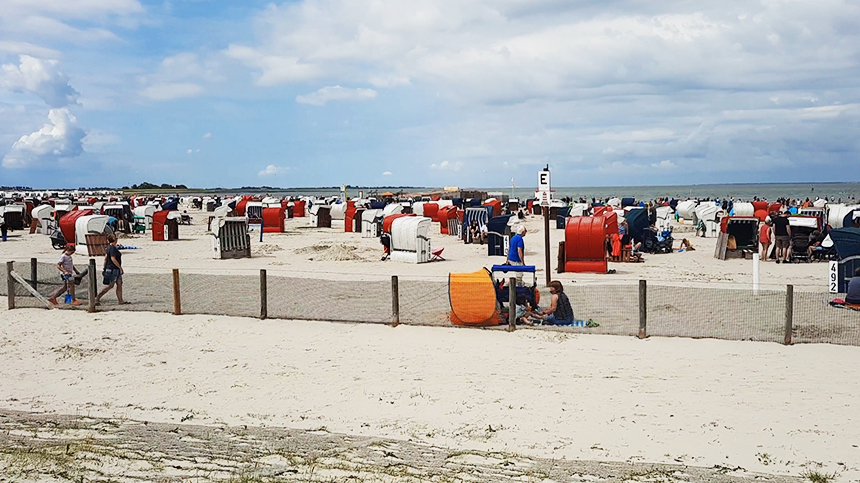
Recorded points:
(545,190)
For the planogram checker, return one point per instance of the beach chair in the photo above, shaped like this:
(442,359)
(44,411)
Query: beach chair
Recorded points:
(799,246)
(500,285)
(436,255)
(139,225)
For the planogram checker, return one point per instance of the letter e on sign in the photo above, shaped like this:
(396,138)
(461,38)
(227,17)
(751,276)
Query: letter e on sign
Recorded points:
(543,180)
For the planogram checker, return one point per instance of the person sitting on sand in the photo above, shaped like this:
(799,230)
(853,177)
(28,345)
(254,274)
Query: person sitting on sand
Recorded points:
(524,311)
(478,232)
(474,231)
(686,245)
(814,242)
(559,311)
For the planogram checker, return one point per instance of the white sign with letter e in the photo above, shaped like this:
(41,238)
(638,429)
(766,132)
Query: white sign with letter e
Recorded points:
(544,187)
(543,180)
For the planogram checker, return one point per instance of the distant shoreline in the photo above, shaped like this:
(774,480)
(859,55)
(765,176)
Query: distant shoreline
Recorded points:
(834,191)
(430,188)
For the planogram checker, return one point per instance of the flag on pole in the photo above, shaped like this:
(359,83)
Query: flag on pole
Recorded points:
(512,183)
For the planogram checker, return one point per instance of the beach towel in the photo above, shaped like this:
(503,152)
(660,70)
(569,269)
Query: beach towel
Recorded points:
(841,304)
(616,245)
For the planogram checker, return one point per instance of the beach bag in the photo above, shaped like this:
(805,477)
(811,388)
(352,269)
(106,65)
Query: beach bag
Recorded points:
(732,243)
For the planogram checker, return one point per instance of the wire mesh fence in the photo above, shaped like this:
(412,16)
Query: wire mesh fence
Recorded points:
(614,307)
(233,295)
(669,311)
(815,320)
(734,314)
(340,301)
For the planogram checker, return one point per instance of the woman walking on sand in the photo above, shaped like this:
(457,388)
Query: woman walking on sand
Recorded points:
(113,271)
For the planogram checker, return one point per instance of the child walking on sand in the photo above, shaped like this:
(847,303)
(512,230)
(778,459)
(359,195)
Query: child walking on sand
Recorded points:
(67,273)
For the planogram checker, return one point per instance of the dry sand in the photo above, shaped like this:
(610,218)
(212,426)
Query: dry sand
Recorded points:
(761,407)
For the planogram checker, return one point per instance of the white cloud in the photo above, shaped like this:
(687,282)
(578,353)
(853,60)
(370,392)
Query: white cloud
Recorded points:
(59,138)
(50,27)
(636,135)
(336,93)
(81,9)
(389,81)
(207,135)
(448,166)
(275,68)
(99,141)
(180,76)
(272,170)
(387,173)
(17,47)
(187,66)
(39,77)
(487,51)
(665,164)
(166,92)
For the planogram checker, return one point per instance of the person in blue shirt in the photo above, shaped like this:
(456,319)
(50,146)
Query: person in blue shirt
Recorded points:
(517,248)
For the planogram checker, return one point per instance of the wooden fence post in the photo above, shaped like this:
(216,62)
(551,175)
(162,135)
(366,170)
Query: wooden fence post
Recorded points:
(264,295)
(177,301)
(546,242)
(789,312)
(10,285)
(34,273)
(91,286)
(395,301)
(560,267)
(512,304)
(643,309)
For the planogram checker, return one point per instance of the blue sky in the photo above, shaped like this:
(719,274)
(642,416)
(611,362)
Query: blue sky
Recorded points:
(428,93)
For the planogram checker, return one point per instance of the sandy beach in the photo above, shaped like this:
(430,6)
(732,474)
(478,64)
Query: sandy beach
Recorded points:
(293,253)
(755,407)
(762,407)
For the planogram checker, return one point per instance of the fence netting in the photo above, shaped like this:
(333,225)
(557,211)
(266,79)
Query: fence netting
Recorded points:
(733,314)
(322,299)
(671,311)
(614,307)
(232,295)
(47,280)
(423,303)
(815,320)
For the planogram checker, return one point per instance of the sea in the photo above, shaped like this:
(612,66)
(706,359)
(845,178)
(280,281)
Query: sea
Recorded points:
(835,192)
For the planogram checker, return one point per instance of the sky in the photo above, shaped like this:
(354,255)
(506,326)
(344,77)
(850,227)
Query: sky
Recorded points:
(470,93)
